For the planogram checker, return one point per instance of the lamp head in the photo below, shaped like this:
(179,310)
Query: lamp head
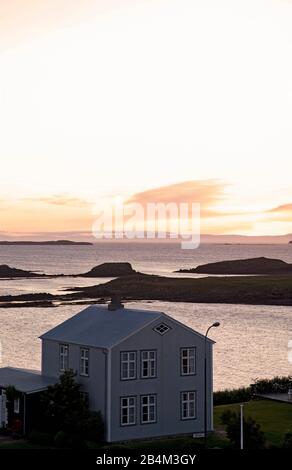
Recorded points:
(216,324)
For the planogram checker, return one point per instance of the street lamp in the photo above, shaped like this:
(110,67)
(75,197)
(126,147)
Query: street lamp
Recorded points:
(214,325)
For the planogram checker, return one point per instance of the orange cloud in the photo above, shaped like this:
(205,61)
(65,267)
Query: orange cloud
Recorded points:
(282,213)
(282,208)
(227,226)
(208,193)
(56,213)
(63,200)
(70,213)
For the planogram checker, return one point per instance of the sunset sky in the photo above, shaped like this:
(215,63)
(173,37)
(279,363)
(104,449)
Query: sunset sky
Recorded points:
(148,100)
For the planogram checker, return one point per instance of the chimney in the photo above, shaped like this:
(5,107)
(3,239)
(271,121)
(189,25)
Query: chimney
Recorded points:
(115,303)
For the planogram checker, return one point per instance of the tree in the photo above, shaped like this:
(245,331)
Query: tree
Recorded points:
(64,404)
(254,438)
(66,412)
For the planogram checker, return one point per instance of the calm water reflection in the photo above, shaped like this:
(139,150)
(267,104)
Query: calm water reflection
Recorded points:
(250,343)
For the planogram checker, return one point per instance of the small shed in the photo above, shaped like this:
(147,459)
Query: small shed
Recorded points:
(20,394)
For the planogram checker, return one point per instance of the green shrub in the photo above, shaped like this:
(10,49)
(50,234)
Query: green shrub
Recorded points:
(40,438)
(65,440)
(275,385)
(62,440)
(262,386)
(3,431)
(288,441)
(253,437)
(227,417)
(227,397)
(92,427)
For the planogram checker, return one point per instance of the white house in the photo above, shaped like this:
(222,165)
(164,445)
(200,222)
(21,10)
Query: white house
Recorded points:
(143,370)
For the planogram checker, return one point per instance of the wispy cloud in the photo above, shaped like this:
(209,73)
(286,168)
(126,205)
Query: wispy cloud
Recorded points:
(47,235)
(283,208)
(63,200)
(281,213)
(208,193)
(21,20)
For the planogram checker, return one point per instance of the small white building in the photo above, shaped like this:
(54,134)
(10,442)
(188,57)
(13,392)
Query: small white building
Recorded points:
(143,370)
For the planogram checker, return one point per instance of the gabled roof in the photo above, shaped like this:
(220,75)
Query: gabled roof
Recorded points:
(96,326)
(188,328)
(26,381)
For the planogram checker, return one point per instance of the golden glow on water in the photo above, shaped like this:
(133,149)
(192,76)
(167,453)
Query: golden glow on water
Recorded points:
(252,341)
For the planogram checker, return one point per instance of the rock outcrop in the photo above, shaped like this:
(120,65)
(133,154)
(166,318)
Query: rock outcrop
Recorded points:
(264,266)
(110,270)
(6,272)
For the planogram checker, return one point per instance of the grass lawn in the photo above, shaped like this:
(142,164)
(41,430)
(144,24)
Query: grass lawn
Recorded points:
(186,444)
(274,418)
(20,444)
(175,444)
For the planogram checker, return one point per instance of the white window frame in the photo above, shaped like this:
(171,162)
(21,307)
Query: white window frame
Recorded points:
(84,362)
(16,405)
(130,405)
(129,360)
(188,405)
(162,328)
(150,359)
(63,357)
(188,360)
(149,407)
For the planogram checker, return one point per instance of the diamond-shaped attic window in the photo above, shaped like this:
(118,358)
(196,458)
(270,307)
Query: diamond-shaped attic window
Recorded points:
(161,329)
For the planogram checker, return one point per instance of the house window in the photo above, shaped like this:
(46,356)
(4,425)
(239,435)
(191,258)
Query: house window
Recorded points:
(148,409)
(16,405)
(148,364)
(128,411)
(128,365)
(188,361)
(161,329)
(64,356)
(188,405)
(84,362)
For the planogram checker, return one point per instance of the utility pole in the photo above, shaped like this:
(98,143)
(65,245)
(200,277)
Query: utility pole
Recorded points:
(214,325)
(241,426)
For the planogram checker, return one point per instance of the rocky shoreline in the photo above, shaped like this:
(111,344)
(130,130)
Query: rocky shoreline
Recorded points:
(102,270)
(249,290)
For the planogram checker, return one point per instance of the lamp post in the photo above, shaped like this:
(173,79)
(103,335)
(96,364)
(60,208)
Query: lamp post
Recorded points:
(241,426)
(214,325)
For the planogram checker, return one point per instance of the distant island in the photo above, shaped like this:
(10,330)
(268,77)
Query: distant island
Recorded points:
(260,266)
(117,269)
(49,242)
